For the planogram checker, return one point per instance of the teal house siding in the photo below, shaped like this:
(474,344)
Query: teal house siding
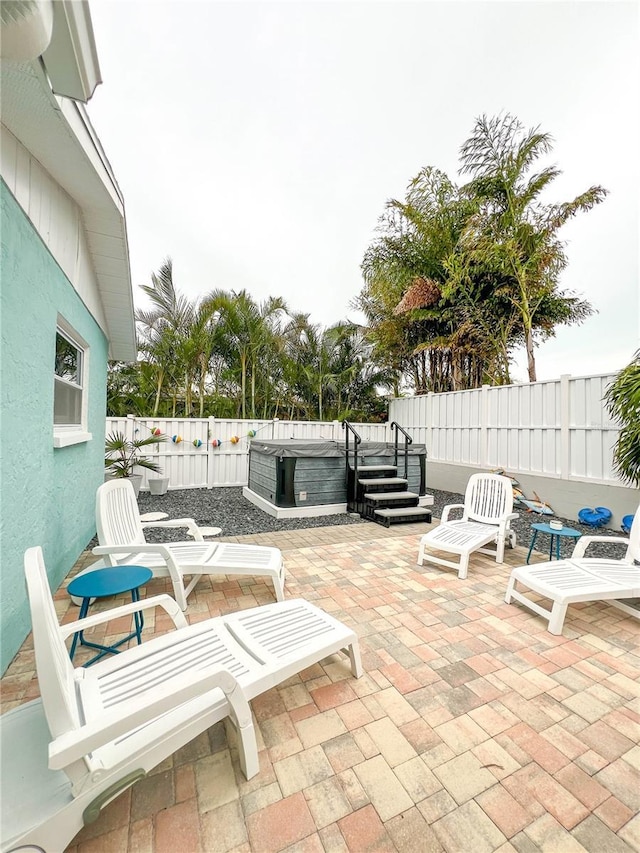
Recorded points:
(47,493)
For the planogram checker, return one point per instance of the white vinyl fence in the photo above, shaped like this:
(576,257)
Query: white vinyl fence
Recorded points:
(558,428)
(194,462)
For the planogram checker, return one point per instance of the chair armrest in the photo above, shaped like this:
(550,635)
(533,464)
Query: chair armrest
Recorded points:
(144,547)
(505,522)
(165,601)
(118,722)
(583,543)
(189,523)
(447,509)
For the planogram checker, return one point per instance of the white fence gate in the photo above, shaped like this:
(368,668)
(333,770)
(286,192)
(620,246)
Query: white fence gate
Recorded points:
(558,428)
(190,459)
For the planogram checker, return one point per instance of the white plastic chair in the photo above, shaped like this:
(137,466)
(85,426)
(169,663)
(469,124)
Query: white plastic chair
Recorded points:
(122,541)
(581,578)
(487,514)
(96,731)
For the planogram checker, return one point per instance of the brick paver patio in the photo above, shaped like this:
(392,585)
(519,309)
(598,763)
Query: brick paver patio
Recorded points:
(473,729)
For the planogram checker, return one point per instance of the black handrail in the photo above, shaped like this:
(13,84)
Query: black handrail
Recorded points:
(352,503)
(407,441)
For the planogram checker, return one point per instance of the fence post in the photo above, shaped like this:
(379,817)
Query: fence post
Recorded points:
(429,423)
(130,428)
(211,434)
(484,427)
(565,416)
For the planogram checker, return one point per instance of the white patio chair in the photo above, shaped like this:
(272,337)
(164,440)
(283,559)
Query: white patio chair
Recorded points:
(122,541)
(581,578)
(487,514)
(96,731)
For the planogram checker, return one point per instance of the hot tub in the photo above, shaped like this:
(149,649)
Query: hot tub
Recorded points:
(296,478)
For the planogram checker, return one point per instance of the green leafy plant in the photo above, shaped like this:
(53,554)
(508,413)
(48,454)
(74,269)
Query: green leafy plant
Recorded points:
(623,402)
(123,454)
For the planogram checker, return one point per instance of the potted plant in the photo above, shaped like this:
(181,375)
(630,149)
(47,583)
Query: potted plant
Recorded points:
(122,455)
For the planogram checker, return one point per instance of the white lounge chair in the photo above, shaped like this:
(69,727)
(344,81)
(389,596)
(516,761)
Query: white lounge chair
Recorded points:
(487,514)
(122,541)
(581,578)
(96,731)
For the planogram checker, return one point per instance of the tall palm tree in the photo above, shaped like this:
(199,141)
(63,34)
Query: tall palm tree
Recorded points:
(418,321)
(512,230)
(163,330)
(246,333)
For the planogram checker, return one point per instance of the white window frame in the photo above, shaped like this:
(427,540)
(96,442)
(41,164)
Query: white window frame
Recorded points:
(65,435)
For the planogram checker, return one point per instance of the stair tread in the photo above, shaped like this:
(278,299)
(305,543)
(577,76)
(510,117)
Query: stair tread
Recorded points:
(390,496)
(383,481)
(407,510)
(376,467)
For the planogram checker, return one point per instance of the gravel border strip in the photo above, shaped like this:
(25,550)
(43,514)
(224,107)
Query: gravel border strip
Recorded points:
(227,508)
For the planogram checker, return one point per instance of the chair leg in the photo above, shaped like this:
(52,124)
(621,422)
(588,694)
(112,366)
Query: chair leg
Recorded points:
(464,566)
(248,750)
(356,661)
(510,588)
(179,593)
(278,585)
(421,554)
(558,612)
(241,720)
(500,549)
(192,585)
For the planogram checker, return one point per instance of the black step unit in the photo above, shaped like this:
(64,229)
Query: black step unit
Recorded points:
(369,472)
(371,501)
(381,484)
(387,501)
(401,515)
(383,497)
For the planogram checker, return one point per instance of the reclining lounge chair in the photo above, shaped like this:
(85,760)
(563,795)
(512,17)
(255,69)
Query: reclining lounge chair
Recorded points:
(487,514)
(96,731)
(121,538)
(581,578)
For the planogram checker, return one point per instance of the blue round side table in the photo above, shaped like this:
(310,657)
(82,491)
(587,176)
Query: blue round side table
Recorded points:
(568,532)
(102,583)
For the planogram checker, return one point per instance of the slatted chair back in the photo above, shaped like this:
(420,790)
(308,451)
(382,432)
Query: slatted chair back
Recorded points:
(55,671)
(488,498)
(117,514)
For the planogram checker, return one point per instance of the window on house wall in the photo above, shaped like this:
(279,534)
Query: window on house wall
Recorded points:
(70,387)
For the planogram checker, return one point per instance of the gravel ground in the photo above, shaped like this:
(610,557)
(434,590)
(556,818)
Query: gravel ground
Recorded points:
(228,509)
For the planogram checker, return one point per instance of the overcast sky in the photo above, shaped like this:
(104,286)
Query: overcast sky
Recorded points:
(257,143)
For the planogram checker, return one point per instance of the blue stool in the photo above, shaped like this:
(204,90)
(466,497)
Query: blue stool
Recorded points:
(102,583)
(552,532)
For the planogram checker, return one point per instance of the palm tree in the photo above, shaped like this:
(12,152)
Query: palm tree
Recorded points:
(623,402)
(512,230)
(246,336)
(419,323)
(163,330)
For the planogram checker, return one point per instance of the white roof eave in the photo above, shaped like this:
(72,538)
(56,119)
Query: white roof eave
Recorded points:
(58,133)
